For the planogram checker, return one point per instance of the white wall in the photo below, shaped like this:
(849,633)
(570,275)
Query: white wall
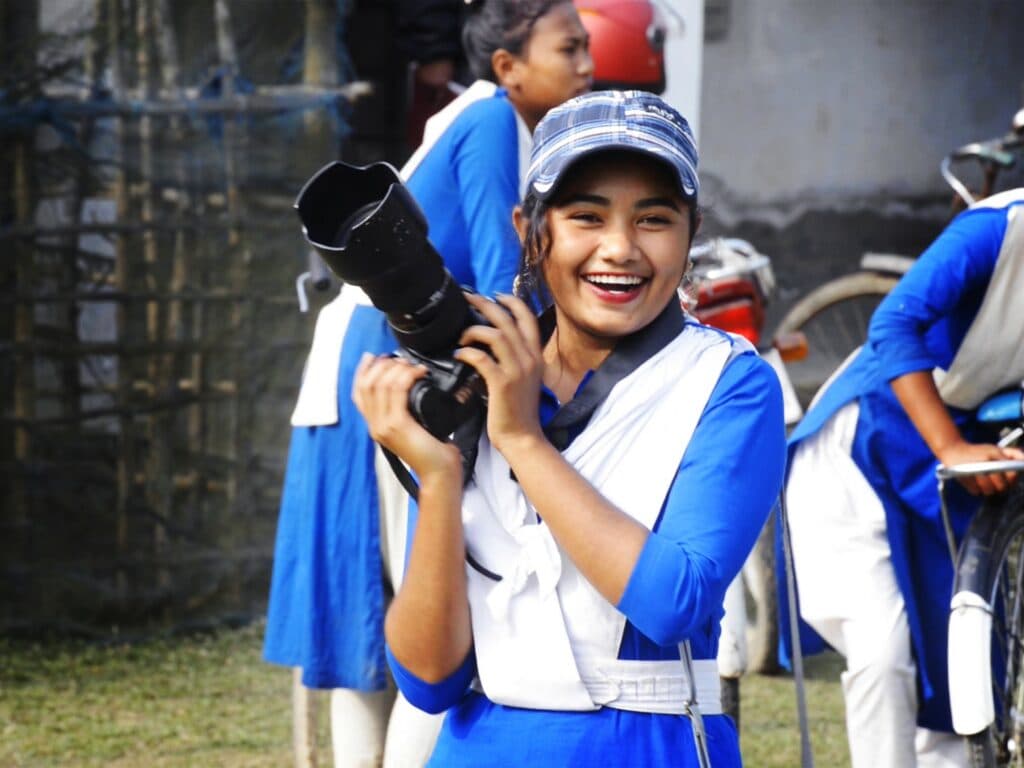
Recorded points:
(684,58)
(806,100)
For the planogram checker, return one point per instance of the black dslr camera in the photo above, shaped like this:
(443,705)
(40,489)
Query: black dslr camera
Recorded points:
(370,231)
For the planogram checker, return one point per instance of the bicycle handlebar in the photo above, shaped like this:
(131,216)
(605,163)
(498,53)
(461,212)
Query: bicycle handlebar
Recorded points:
(992,151)
(973,468)
(996,154)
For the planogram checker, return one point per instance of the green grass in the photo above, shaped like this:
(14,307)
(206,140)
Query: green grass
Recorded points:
(205,700)
(209,700)
(769,734)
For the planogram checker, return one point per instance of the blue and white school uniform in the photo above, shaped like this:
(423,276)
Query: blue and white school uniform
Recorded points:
(691,444)
(861,487)
(327,595)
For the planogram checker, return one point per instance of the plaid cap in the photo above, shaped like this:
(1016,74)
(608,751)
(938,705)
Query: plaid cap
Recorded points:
(602,120)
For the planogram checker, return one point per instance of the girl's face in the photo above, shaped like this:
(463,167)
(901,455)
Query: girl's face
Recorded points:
(554,66)
(619,235)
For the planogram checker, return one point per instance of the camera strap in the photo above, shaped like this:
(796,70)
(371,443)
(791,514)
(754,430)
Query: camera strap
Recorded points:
(466,437)
(629,354)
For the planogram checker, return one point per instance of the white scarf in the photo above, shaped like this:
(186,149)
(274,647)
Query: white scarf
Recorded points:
(543,629)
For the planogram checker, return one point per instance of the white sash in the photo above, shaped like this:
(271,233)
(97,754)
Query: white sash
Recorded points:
(543,630)
(991,356)
(317,405)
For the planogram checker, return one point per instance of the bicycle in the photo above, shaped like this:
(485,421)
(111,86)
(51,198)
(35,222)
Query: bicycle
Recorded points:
(987,609)
(834,316)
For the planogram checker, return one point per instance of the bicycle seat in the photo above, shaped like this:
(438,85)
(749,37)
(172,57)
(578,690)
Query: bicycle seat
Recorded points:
(1004,406)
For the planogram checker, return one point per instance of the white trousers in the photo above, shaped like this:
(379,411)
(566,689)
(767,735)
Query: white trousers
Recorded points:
(849,595)
(378,728)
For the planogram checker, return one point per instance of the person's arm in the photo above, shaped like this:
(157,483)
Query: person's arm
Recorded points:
(959,263)
(427,627)
(605,543)
(602,541)
(724,490)
(486,169)
(437,696)
(920,398)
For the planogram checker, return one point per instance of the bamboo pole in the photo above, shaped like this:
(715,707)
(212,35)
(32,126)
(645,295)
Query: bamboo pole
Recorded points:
(320,69)
(24,374)
(159,433)
(21,30)
(181,258)
(126,426)
(265,100)
(237,273)
(304,705)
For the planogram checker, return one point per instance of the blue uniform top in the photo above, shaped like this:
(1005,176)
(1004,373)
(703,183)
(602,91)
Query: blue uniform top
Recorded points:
(326,607)
(467,186)
(723,490)
(919,326)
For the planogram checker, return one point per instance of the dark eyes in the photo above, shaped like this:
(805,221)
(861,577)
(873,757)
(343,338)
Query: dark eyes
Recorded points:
(655,219)
(650,219)
(576,46)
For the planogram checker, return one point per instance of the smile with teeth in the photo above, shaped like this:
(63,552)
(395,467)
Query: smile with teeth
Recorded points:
(615,283)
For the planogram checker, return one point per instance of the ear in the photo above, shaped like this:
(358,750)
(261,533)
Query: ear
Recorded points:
(520,223)
(505,66)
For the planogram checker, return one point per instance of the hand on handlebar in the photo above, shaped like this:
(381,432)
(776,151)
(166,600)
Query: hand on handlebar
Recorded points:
(967,453)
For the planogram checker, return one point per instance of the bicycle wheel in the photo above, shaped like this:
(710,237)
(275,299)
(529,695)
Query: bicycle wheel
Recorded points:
(1002,743)
(834,317)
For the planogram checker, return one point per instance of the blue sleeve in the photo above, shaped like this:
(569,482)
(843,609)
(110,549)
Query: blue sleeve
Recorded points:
(959,263)
(486,169)
(724,489)
(433,697)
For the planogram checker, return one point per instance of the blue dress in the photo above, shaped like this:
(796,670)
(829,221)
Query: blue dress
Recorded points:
(919,326)
(326,607)
(724,488)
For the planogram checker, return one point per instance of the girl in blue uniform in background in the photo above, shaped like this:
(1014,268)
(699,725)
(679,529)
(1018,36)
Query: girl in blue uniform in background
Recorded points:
(872,563)
(563,601)
(341,538)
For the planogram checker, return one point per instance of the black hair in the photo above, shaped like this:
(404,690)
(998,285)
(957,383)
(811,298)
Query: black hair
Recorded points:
(491,25)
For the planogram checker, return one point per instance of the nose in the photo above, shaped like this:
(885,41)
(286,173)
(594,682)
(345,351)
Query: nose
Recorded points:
(618,245)
(586,64)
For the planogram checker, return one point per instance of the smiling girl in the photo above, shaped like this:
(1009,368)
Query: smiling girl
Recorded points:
(563,601)
(340,537)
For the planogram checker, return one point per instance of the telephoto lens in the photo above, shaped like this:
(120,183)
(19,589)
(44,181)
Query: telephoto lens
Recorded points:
(371,233)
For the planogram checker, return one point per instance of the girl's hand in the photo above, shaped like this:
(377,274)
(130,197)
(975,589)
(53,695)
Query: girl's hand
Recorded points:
(981,485)
(381,393)
(512,370)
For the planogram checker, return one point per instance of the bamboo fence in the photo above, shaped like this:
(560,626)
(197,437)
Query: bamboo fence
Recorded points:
(149,332)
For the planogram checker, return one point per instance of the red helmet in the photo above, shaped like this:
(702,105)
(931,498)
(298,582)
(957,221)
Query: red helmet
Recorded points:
(627,42)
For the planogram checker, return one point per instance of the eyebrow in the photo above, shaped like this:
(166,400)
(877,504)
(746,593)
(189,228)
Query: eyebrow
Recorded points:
(652,202)
(647,202)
